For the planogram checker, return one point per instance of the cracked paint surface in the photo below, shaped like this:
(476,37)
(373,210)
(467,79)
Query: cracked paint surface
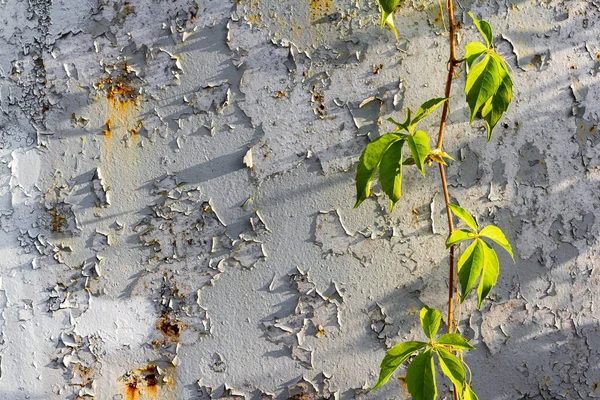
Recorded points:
(176,191)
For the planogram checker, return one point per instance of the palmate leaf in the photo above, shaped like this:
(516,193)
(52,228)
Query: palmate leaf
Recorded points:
(488,85)
(394,357)
(369,162)
(420,377)
(452,367)
(390,172)
(387,9)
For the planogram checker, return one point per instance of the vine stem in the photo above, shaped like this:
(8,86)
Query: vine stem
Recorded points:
(452,62)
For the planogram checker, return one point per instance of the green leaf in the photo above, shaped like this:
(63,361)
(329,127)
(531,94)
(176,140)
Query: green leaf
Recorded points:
(497,104)
(430,321)
(458,236)
(462,214)
(469,267)
(452,367)
(438,156)
(494,233)
(484,28)
(482,82)
(469,393)
(387,8)
(491,270)
(390,172)
(367,165)
(420,377)
(426,109)
(418,143)
(409,161)
(455,341)
(393,358)
(473,51)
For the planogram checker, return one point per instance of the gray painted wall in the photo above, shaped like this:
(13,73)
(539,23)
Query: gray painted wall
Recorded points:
(176,191)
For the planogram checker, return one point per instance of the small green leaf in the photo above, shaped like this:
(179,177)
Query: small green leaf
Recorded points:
(387,9)
(430,321)
(368,163)
(426,109)
(462,214)
(494,233)
(420,377)
(418,143)
(484,28)
(469,267)
(482,82)
(409,161)
(473,51)
(390,172)
(452,367)
(491,270)
(393,358)
(458,236)
(455,341)
(469,393)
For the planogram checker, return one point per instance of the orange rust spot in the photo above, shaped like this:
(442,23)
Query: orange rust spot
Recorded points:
(131,390)
(598,56)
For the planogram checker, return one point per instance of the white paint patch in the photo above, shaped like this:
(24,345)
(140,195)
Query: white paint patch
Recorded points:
(25,167)
(119,322)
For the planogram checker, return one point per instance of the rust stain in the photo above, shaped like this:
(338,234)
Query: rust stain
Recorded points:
(171,330)
(57,219)
(131,390)
(107,128)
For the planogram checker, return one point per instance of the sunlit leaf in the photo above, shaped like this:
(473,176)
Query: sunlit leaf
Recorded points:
(387,9)
(452,367)
(482,82)
(494,233)
(368,163)
(393,358)
(469,394)
(489,276)
(498,104)
(426,109)
(430,321)
(390,172)
(469,267)
(484,28)
(462,214)
(455,341)
(418,144)
(473,51)
(438,156)
(458,236)
(420,377)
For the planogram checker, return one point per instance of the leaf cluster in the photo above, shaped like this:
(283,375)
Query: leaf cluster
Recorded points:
(421,373)
(488,86)
(385,154)
(479,259)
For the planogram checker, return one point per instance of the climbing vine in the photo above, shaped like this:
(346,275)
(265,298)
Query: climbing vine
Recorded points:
(488,93)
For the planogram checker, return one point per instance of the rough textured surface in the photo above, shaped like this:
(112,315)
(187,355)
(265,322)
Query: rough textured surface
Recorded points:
(176,191)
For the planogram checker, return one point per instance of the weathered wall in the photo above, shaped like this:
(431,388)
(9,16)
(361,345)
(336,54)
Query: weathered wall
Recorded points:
(176,191)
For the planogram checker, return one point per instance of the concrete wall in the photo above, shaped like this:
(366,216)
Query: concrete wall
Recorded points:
(176,191)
